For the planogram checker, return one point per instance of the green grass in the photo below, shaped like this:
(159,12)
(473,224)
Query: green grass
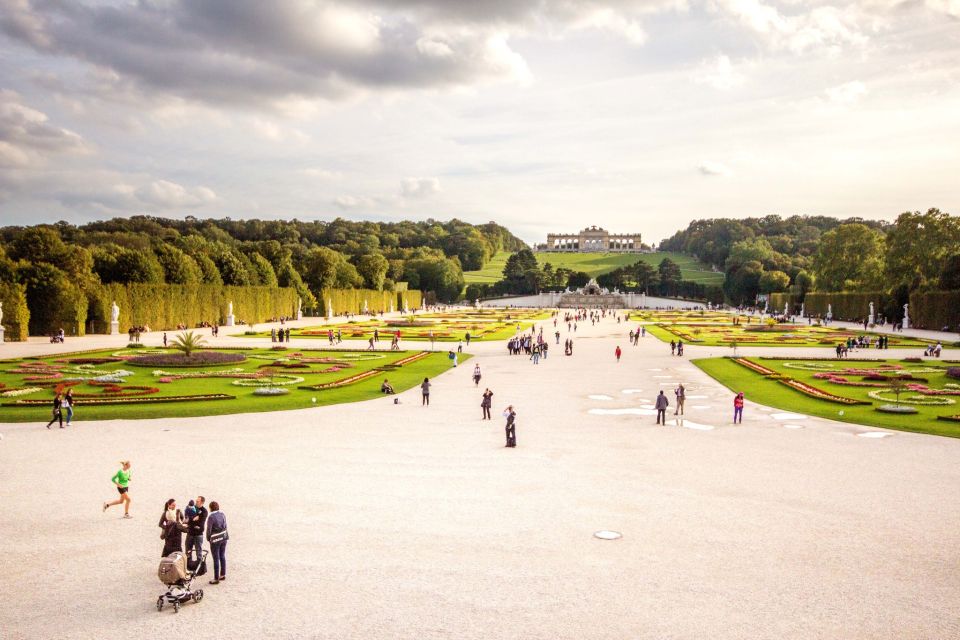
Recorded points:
(484,324)
(712,334)
(766,391)
(402,378)
(596,264)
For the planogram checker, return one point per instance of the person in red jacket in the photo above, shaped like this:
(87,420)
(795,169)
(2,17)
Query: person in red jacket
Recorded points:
(618,352)
(738,408)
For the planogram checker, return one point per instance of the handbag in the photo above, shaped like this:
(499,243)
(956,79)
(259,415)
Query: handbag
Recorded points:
(218,536)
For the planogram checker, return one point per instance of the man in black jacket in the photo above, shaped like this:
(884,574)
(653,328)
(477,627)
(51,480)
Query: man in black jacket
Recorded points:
(196,527)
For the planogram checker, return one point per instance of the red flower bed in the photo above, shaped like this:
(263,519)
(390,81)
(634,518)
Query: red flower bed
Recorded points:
(129,400)
(753,366)
(819,394)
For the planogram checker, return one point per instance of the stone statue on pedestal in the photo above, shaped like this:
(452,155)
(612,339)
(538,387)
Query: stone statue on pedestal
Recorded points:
(114,312)
(906,316)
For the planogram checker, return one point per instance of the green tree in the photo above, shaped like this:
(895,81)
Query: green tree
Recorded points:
(178,267)
(742,283)
(804,282)
(521,273)
(950,274)
(670,276)
(262,270)
(773,282)
(645,276)
(373,269)
(918,245)
(850,257)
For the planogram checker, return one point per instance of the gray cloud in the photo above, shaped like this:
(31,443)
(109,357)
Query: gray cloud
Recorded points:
(27,137)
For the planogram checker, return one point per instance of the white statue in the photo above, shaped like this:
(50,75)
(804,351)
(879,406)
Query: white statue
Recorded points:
(786,309)
(230,308)
(870,319)
(114,312)
(829,312)
(364,306)
(1,312)
(906,316)
(803,313)
(329,308)
(299,307)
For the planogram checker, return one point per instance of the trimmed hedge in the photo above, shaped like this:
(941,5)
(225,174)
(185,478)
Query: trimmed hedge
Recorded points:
(16,314)
(351,300)
(935,310)
(164,306)
(777,300)
(849,306)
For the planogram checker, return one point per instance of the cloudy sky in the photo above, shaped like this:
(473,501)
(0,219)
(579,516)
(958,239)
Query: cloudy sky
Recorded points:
(637,115)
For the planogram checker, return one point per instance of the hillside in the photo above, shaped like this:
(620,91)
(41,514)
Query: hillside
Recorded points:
(596,264)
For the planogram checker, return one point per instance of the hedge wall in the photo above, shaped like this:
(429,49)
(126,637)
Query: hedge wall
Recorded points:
(352,300)
(853,307)
(935,310)
(777,300)
(164,306)
(16,314)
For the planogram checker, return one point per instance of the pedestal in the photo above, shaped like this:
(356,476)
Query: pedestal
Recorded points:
(299,315)
(229,322)
(115,328)
(1,334)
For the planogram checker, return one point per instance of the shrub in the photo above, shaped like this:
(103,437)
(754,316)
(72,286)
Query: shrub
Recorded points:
(953,372)
(136,345)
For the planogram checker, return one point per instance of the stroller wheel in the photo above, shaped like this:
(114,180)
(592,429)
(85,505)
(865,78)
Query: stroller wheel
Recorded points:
(198,595)
(160,603)
(176,607)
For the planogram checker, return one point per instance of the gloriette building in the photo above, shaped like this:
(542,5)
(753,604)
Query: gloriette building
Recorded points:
(592,240)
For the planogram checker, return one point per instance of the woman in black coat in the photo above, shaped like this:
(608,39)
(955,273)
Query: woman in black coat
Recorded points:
(172,526)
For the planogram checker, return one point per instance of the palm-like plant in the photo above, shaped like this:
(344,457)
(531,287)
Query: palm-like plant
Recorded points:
(187,342)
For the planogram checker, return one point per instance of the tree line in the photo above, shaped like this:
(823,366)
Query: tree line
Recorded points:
(919,251)
(59,265)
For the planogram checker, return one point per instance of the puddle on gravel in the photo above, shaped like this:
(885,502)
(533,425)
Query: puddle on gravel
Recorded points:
(631,391)
(874,434)
(787,416)
(600,396)
(629,411)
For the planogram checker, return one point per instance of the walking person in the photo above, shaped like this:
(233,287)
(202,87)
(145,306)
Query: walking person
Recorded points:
(661,406)
(164,339)
(476,375)
(217,536)
(171,526)
(673,348)
(425,390)
(486,403)
(67,405)
(57,411)
(511,427)
(738,408)
(618,353)
(121,480)
(681,395)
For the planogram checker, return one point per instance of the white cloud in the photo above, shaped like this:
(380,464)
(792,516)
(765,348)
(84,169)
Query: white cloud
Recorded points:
(709,168)
(847,93)
(322,174)
(419,187)
(719,73)
(354,202)
(164,195)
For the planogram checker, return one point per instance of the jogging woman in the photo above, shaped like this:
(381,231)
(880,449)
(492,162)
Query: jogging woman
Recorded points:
(122,481)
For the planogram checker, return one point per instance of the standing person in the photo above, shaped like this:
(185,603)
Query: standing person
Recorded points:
(679,347)
(57,411)
(121,479)
(511,427)
(486,403)
(673,348)
(67,405)
(681,394)
(196,525)
(467,336)
(171,525)
(476,375)
(738,408)
(425,390)
(661,405)
(217,536)
(164,339)
(618,353)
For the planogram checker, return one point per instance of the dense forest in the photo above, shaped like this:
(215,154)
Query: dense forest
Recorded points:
(60,265)
(917,252)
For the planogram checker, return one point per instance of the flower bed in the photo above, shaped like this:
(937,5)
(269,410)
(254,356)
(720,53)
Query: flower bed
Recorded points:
(928,400)
(344,381)
(128,400)
(16,392)
(198,359)
(272,381)
(896,408)
(953,372)
(753,366)
(270,391)
(949,418)
(411,358)
(819,394)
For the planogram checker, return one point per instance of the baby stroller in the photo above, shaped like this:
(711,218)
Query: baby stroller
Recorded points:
(174,573)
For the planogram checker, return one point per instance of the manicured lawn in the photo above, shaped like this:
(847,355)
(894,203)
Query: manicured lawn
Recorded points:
(713,333)
(596,264)
(481,324)
(277,367)
(768,390)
